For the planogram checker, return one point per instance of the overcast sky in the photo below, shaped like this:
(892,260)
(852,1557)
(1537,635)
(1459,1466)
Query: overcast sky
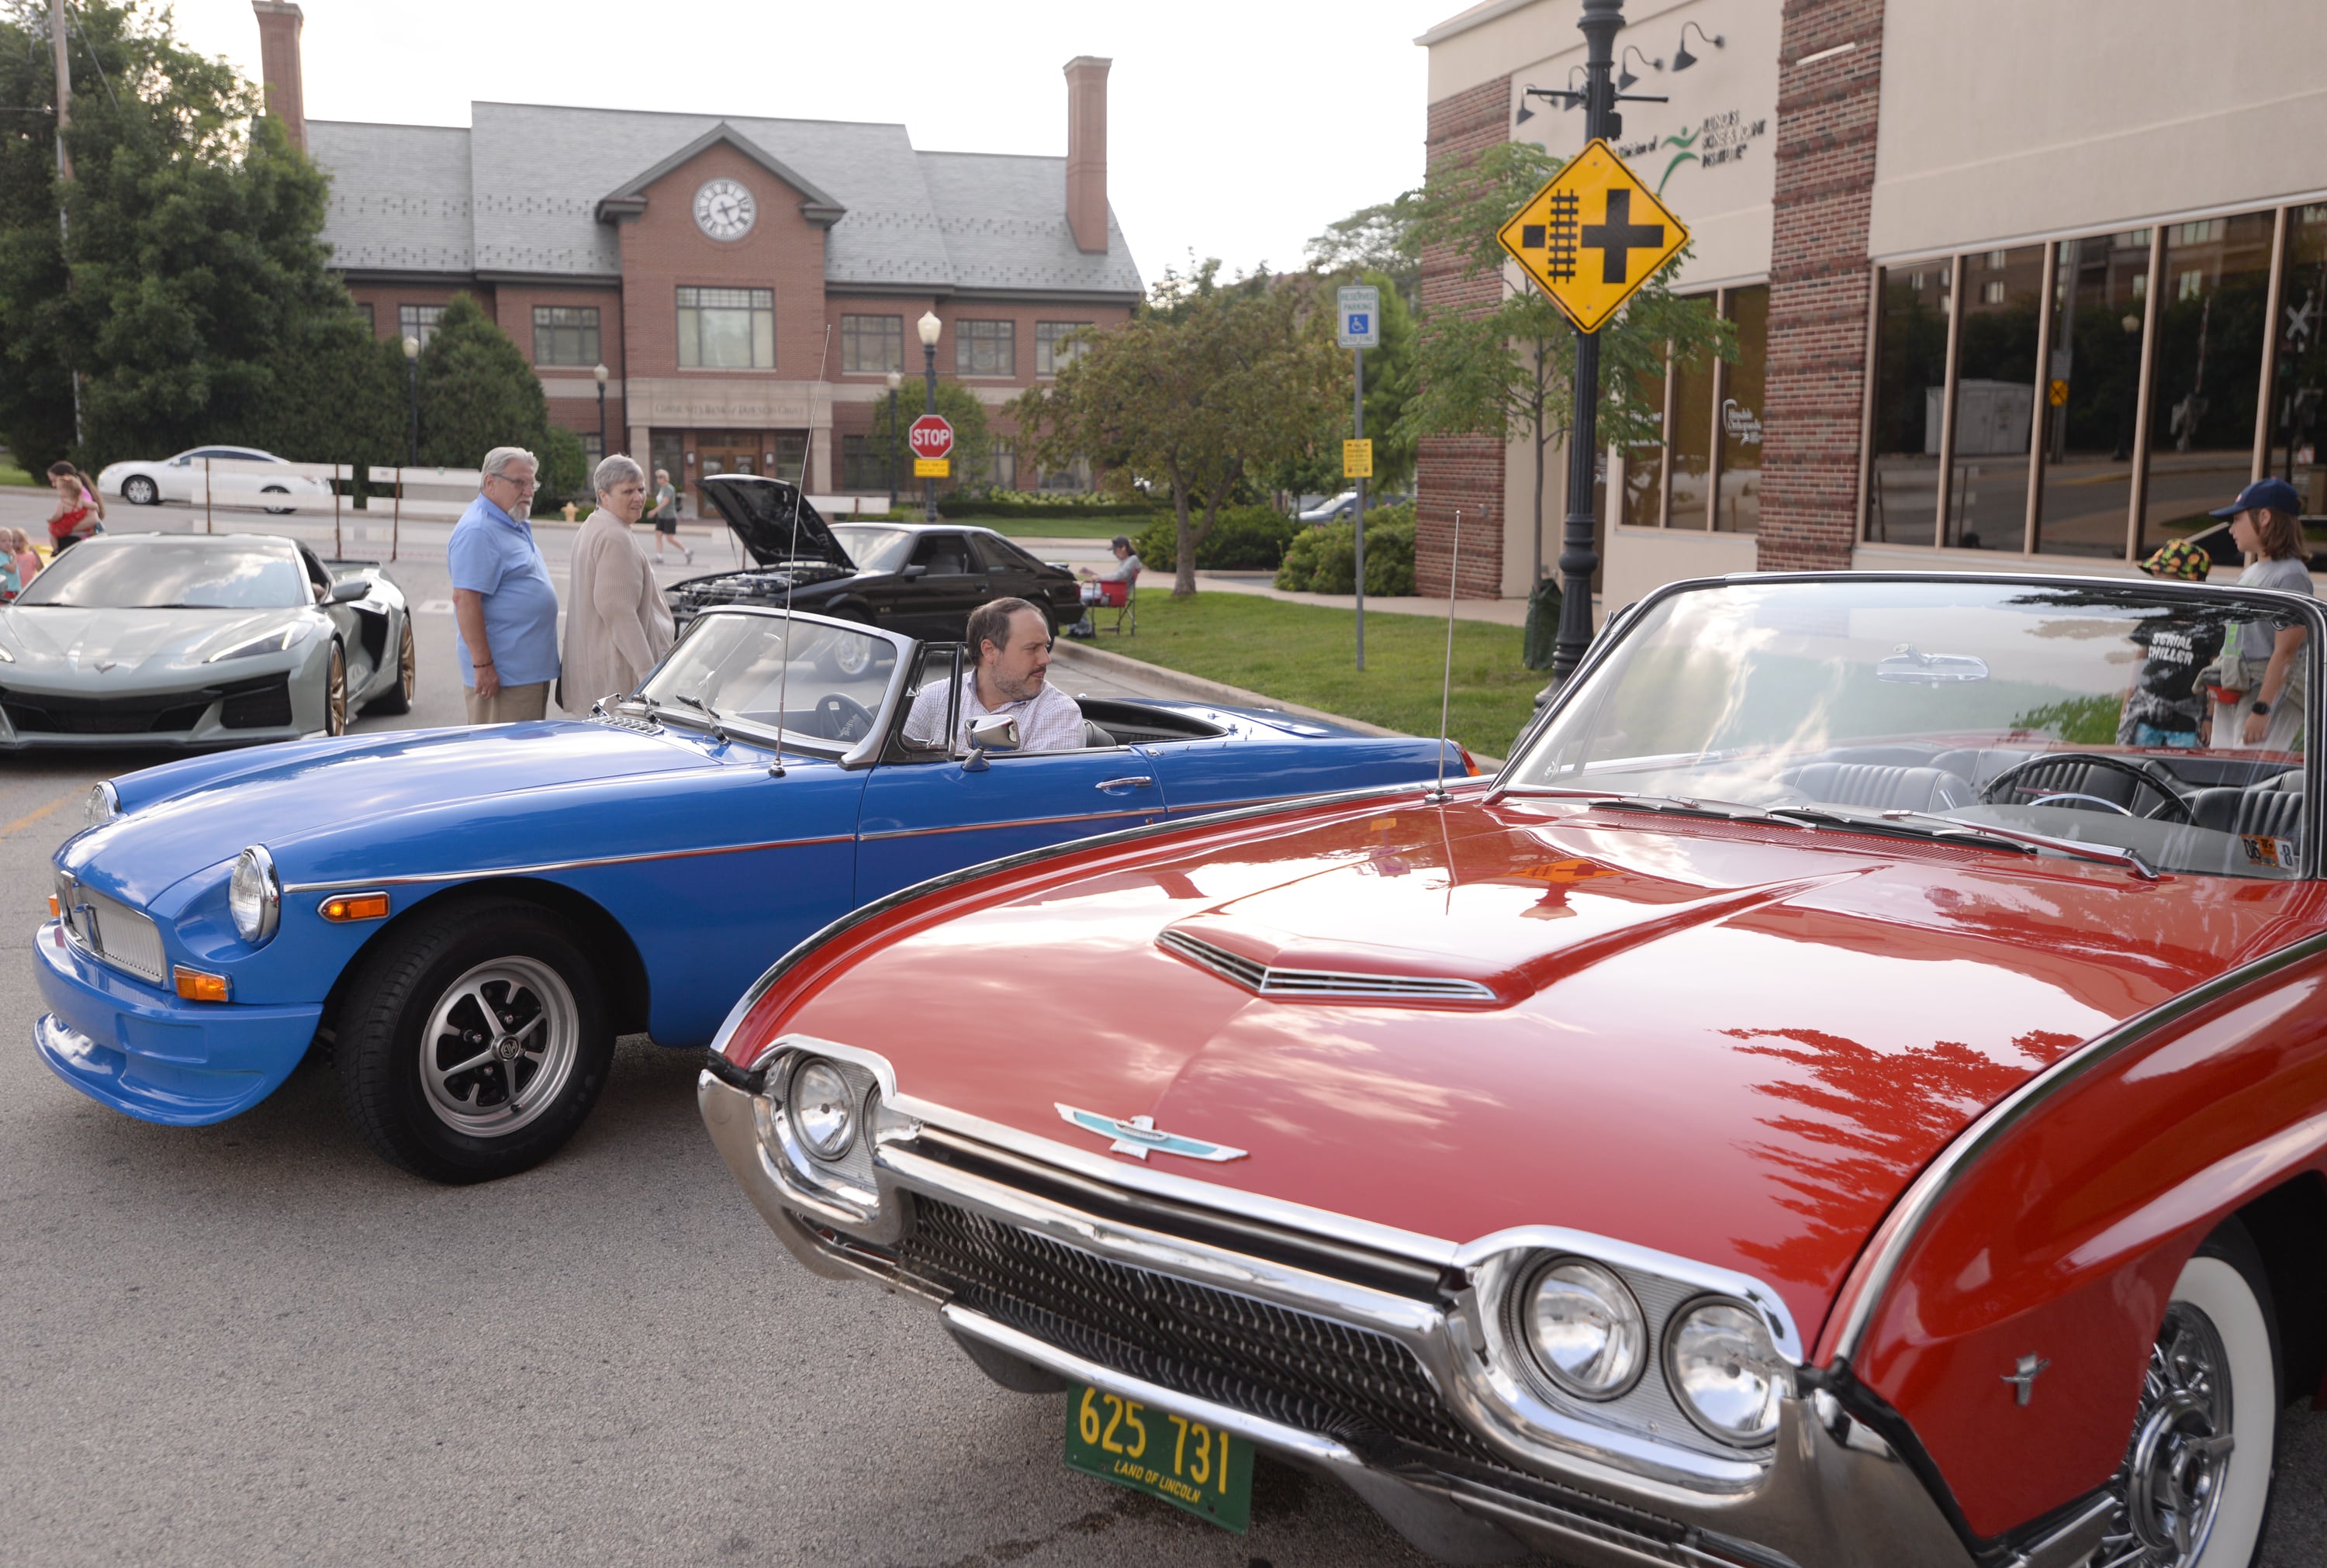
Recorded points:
(1235,129)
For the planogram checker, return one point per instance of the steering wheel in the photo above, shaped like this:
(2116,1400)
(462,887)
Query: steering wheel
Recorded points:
(2174,808)
(843,717)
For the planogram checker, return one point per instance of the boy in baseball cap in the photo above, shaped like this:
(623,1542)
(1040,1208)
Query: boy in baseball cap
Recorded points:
(2165,707)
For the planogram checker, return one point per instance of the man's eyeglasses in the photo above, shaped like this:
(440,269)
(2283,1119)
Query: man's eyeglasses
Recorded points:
(519,485)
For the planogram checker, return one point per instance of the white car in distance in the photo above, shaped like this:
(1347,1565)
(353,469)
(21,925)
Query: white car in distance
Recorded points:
(224,475)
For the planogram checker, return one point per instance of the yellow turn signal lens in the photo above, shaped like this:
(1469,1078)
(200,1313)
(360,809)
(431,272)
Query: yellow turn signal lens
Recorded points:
(196,986)
(355,907)
(56,909)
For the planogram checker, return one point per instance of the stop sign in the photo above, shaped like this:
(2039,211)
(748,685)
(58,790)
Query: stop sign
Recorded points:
(931,436)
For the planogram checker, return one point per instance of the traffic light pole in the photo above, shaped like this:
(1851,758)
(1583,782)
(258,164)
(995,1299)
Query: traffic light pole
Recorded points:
(1579,558)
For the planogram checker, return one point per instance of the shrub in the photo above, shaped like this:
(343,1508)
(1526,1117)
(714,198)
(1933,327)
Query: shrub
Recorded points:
(1323,559)
(1035,504)
(1243,540)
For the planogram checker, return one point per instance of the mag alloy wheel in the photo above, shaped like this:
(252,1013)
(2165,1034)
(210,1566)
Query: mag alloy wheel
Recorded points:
(499,1047)
(141,491)
(335,694)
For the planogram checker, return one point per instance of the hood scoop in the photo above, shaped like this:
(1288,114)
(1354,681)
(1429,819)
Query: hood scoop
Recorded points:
(1322,984)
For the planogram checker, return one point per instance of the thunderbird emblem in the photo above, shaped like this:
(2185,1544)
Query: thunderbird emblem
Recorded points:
(1137,1137)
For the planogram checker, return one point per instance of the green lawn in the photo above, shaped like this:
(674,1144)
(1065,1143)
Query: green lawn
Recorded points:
(11,474)
(1303,653)
(1068,527)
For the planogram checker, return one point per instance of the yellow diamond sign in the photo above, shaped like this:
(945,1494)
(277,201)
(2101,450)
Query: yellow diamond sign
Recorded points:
(1592,235)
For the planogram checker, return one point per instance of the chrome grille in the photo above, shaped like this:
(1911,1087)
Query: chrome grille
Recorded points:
(116,933)
(1320,983)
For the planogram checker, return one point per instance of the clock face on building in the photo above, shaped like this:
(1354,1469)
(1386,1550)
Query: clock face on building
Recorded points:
(724,209)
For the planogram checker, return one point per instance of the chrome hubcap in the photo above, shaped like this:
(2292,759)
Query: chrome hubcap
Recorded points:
(499,1047)
(2179,1464)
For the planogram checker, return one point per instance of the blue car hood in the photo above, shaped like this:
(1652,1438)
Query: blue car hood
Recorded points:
(299,800)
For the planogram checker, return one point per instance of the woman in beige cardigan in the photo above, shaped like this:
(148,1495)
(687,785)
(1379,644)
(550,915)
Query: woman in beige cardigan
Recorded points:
(617,626)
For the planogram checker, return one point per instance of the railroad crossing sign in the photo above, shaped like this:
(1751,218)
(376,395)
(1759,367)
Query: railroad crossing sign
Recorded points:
(1592,235)
(2057,394)
(932,439)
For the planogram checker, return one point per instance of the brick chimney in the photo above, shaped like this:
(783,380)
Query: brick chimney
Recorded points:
(1087,150)
(278,55)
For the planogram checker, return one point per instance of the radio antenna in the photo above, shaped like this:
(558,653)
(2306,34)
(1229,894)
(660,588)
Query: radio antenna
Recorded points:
(791,554)
(1439,795)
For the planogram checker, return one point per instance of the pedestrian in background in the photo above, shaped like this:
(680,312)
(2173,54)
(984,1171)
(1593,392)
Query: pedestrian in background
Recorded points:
(617,626)
(666,516)
(2258,701)
(21,553)
(77,516)
(504,606)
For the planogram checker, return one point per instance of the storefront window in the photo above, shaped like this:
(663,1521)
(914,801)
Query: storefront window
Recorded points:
(1910,376)
(1690,442)
(1644,464)
(790,460)
(2298,413)
(1995,400)
(727,329)
(1740,512)
(2097,289)
(2210,323)
(670,450)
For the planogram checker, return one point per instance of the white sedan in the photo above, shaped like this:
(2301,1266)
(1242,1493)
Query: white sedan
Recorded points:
(227,475)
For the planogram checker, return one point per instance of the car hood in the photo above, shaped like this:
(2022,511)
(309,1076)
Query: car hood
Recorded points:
(118,650)
(300,798)
(774,521)
(1734,1044)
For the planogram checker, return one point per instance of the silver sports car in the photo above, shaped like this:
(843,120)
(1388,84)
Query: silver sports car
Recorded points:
(199,640)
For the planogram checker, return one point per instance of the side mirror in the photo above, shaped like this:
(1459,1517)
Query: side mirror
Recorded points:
(347,590)
(913,571)
(994,732)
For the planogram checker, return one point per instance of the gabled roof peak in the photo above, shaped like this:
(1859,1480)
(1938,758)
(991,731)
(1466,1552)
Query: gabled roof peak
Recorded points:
(630,199)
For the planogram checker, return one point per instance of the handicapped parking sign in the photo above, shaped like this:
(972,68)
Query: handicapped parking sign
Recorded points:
(1359,305)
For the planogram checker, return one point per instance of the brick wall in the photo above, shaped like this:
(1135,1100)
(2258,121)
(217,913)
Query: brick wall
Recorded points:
(1460,472)
(1818,282)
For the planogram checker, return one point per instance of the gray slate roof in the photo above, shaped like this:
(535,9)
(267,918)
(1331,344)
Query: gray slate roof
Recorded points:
(518,192)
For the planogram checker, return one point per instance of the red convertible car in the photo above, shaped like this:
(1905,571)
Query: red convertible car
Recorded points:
(1852,1091)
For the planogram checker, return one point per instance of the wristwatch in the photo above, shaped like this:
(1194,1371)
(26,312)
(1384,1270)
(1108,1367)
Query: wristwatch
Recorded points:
(2258,706)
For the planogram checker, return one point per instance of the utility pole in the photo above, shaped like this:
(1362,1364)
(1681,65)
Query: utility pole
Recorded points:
(1578,557)
(64,173)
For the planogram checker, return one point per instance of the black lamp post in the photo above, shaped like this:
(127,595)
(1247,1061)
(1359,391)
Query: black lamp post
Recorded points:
(929,327)
(412,393)
(600,372)
(896,436)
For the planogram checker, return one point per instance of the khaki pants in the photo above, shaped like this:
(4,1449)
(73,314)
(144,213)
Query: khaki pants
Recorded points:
(509,705)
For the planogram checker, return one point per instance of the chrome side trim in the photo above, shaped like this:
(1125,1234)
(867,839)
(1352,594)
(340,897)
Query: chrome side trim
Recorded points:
(1870,1281)
(1013,822)
(1321,984)
(542,867)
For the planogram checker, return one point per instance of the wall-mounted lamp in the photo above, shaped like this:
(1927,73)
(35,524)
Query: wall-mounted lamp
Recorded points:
(1682,58)
(1625,79)
(1569,96)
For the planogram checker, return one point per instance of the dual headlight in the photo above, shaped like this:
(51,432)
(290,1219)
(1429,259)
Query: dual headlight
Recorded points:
(255,895)
(1588,1336)
(824,1110)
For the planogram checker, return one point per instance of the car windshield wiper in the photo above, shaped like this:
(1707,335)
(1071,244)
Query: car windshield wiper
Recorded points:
(710,716)
(1667,804)
(1934,826)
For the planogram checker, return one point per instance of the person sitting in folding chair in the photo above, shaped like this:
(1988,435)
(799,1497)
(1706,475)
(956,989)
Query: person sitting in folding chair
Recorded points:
(1112,588)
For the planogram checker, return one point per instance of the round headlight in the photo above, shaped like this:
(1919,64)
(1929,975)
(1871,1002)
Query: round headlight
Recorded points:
(824,1110)
(1724,1371)
(101,806)
(254,896)
(1585,1327)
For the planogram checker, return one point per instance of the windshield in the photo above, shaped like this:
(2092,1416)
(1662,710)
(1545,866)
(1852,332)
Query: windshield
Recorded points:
(162,574)
(874,549)
(825,683)
(2110,716)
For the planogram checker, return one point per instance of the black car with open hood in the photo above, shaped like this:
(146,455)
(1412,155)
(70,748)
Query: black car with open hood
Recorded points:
(921,579)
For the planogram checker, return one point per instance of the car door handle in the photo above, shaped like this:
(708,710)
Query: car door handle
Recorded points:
(1137,782)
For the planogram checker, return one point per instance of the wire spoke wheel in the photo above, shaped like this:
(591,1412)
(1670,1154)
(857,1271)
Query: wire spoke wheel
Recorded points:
(499,1047)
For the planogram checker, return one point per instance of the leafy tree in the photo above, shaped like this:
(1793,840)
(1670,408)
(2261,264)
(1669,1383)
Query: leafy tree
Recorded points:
(337,393)
(1389,383)
(1511,368)
(973,440)
(1378,238)
(1203,387)
(477,392)
(192,248)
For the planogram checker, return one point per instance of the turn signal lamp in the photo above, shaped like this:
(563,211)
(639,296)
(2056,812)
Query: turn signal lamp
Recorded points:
(1469,764)
(347,907)
(56,909)
(195,985)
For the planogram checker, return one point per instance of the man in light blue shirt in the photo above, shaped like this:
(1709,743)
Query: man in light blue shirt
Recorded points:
(503,603)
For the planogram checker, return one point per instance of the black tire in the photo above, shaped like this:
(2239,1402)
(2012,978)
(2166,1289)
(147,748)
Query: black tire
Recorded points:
(397,698)
(276,490)
(2214,1372)
(139,490)
(412,1102)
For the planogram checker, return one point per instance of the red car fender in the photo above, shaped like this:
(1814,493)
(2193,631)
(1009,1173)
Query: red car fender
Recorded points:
(2059,1237)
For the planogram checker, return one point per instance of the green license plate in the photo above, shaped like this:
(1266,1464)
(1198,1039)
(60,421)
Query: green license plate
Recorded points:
(1188,1464)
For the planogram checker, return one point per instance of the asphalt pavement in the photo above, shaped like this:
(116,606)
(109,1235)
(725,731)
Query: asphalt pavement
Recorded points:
(255,1343)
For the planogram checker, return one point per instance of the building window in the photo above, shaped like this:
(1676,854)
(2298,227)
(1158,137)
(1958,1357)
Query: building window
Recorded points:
(2299,398)
(419,322)
(565,335)
(986,347)
(1055,344)
(593,449)
(1074,479)
(1002,463)
(2207,371)
(1737,508)
(872,345)
(864,465)
(2098,283)
(1991,293)
(1688,449)
(364,310)
(1996,406)
(1910,372)
(727,329)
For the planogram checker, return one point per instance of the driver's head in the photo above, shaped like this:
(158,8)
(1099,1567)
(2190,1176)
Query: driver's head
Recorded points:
(1012,641)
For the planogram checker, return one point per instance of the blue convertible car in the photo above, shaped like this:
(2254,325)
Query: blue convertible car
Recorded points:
(469,918)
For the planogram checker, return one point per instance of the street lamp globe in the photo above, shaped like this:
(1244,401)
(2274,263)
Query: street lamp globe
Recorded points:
(896,379)
(412,348)
(600,372)
(929,326)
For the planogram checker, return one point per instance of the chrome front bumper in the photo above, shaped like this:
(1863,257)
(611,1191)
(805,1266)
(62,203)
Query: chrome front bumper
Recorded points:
(1834,1493)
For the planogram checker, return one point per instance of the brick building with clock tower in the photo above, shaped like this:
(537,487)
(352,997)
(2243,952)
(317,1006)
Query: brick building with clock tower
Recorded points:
(749,283)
